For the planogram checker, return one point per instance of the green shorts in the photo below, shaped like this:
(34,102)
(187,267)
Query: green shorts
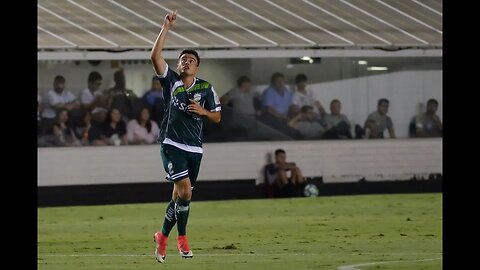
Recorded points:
(180,164)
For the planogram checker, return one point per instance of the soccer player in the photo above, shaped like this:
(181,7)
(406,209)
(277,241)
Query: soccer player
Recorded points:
(188,100)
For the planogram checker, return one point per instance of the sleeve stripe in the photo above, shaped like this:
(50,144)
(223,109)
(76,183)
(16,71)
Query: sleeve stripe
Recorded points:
(164,73)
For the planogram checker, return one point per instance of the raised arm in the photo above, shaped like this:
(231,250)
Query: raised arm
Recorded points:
(159,64)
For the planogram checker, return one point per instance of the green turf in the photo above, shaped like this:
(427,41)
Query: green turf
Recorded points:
(274,234)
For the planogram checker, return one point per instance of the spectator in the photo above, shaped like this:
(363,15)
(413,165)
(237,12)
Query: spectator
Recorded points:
(122,98)
(86,132)
(428,124)
(276,106)
(303,96)
(336,124)
(285,177)
(114,131)
(305,123)
(92,99)
(153,99)
(277,99)
(62,131)
(241,99)
(142,130)
(58,99)
(378,121)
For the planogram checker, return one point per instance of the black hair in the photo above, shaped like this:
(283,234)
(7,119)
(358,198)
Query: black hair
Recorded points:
(432,100)
(382,100)
(275,76)
(94,76)
(108,116)
(242,79)
(59,78)
(148,124)
(305,108)
(279,151)
(334,101)
(190,51)
(300,78)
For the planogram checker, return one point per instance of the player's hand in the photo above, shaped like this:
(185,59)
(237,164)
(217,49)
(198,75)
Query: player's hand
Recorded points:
(194,107)
(170,19)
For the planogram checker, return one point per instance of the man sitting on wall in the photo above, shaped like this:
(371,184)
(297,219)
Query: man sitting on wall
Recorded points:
(283,179)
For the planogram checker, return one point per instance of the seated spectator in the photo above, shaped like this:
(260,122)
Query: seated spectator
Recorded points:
(241,99)
(302,96)
(62,130)
(276,106)
(57,99)
(285,177)
(277,99)
(142,130)
(336,124)
(114,131)
(428,124)
(121,98)
(153,99)
(378,121)
(306,124)
(92,99)
(86,132)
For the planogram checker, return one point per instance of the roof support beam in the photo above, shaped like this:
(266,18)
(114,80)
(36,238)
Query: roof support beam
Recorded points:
(236,54)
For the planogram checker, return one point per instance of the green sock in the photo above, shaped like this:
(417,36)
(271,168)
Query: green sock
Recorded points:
(182,209)
(170,218)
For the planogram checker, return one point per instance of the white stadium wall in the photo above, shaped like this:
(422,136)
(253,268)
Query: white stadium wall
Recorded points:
(335,161)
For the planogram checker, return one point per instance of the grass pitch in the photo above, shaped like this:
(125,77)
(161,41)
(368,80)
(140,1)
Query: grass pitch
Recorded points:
(343,232)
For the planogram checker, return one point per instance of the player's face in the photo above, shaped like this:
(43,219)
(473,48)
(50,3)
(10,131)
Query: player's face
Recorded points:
(188,64)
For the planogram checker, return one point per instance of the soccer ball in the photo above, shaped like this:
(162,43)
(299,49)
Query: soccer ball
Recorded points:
(310,190)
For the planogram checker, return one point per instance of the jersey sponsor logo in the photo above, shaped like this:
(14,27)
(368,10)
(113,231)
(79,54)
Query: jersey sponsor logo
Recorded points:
(182,106)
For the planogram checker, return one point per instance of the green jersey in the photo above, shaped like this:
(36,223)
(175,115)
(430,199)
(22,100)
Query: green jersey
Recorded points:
(181,128)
